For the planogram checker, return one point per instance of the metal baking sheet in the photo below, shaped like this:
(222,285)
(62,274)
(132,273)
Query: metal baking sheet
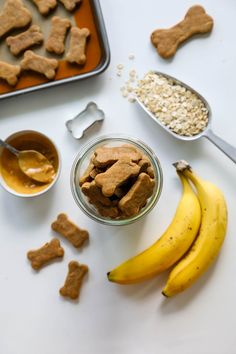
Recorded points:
(88,14)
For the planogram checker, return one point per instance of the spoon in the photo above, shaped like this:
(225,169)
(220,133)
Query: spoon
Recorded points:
(33,164)
(225,147)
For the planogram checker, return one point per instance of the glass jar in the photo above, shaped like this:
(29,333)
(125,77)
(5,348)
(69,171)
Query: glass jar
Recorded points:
(82,161)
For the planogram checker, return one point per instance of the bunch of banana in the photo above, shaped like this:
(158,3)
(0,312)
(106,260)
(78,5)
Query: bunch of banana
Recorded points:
(206,222)
(172,245)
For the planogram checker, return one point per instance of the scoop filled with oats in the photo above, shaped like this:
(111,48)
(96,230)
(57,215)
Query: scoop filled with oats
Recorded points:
(179,109)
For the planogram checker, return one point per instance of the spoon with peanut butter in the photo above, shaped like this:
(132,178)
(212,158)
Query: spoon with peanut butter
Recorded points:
(33,164)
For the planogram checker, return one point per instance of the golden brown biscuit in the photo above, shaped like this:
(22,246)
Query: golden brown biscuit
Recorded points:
(137,196)
(57,35)
(70,5)
(144,163)
(105,156)
(51,250)
(167,41)
(9,72)
(108,212)
(116,175)
(24,40)
(94,194)
(73,282)
(78,41)
(70,231)
(39,64)
(45,6)
(150,171)
(13,15)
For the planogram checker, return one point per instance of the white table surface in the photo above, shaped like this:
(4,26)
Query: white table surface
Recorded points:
(109,318)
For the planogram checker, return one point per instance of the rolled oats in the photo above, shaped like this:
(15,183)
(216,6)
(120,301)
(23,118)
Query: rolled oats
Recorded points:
(178,108)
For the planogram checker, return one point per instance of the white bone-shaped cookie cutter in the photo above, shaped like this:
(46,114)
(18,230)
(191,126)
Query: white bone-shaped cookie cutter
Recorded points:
(85,120)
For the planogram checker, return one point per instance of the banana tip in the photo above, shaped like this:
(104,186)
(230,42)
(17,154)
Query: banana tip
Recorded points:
(164,294)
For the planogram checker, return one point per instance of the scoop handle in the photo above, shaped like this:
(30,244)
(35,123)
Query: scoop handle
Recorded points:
(9,147)
(225,147)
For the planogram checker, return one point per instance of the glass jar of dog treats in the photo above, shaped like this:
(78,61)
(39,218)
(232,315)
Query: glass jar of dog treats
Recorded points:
(116,180)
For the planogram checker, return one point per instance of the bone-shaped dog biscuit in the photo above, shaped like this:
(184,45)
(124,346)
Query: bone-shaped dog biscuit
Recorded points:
(9,72)
(39,64)
(105,156)
(45,6)
(78,41)
(25,40)
(94,194)
(70,5)
(73,282)
(196,21)
(137,196)
(116,175)
(70,231)
(51,250)
(57,35)
(13,15)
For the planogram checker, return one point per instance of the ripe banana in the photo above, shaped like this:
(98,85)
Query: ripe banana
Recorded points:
(211,234)
(166,251)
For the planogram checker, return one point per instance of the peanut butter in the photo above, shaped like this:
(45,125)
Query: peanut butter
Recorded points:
(9,166)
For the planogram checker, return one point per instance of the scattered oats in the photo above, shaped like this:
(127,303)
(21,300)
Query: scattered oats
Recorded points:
(120,66)
(125,94)
(131,56)
(128,90)
(176,107)
(132,73)
(131,99)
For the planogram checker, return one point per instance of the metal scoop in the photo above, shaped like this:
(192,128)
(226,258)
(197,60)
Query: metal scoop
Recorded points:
(225,147)
(32,163)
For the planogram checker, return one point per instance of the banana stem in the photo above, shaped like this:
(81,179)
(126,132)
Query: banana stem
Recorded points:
(184,168)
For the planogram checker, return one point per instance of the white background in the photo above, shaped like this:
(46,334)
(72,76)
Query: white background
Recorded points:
(109,318)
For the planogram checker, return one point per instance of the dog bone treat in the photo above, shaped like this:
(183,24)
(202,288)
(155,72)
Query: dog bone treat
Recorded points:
(78,41)
(70,5)
(13,15)
(70,231)
(144,164)
(57,35)
(95,195)
(95,172)
(39,64)
(150,171)
(73,282)
(108,212)
(46,253)
(167,41)
(25,40)
(105,156)
(45,6)
(9,73)
(86,176)
(116,175)
(137,196)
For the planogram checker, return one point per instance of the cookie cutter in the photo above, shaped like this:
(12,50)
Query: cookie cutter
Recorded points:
(84,120)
